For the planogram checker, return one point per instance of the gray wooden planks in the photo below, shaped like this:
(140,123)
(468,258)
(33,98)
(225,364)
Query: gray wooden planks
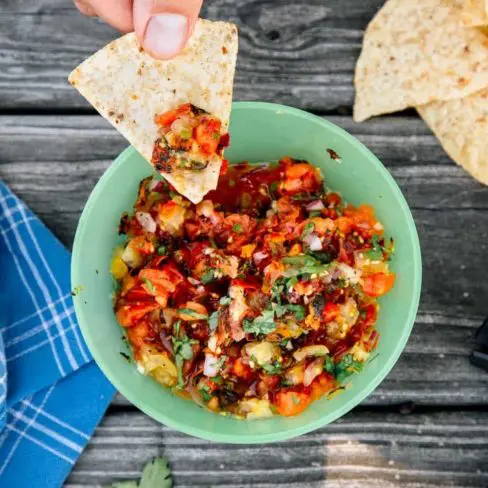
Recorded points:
(362,449)
(300,53)
(53,162)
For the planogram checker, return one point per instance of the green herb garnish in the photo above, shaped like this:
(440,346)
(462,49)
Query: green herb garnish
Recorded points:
(225,301)
(149,285)
(192,313)
(207,277)
(237,228)
(213,320)
(263,324)
(162,250)
(272,368)
(308,229)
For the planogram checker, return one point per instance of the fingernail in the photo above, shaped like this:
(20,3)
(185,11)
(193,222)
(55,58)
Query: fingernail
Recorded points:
(165,34)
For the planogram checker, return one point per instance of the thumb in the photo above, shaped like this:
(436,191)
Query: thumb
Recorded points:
(164,26)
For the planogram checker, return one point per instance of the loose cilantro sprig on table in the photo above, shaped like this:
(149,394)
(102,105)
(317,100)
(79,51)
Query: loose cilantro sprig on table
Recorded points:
(156,474)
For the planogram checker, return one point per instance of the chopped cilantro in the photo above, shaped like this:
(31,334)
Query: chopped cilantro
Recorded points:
(206,393)
(263,324)
(324,257)
(297,310)
(217,380)
(272,368)
(376,252)
(149,285)
(162,250)
(308,229)
(183,350)
(272,189)
(220,362)
(207,277)
(237,228)
(225,301)
(232,183)
(346,367)
(213,320)
(192,313)
(295,399)
(329,365)
(300,260)
(315,213)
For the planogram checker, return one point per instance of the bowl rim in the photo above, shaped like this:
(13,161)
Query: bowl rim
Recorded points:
(327,417)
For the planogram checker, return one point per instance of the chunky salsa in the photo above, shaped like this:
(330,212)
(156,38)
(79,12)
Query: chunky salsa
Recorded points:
(258,300)
(188,138)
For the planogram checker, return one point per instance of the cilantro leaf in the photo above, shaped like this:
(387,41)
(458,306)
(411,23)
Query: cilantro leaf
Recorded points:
(376,252)
(237,228)
(162,250)
(308,229)
(213,320)
(192,313)
(149,285)
(156,473)
(329,365)
(225,301)
(346,367)
(263,324)
(272,368)
(207,277)
(298,311)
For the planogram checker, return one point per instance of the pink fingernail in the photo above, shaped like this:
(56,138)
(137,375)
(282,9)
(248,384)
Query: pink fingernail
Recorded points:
(165,34)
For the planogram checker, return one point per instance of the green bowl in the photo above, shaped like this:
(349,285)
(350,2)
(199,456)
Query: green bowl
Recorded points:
(259,132)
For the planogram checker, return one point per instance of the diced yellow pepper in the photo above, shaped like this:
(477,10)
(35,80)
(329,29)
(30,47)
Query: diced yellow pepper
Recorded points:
(118,268)
(247,250)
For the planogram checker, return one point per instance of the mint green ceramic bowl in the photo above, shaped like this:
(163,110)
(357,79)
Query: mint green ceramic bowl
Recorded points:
(259,132)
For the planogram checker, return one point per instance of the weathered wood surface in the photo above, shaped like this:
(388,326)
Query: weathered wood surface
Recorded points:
(300,53)
(53,162)
(363,449)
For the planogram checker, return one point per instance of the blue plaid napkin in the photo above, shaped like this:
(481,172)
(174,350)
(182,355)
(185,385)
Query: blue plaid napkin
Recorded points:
(52,395)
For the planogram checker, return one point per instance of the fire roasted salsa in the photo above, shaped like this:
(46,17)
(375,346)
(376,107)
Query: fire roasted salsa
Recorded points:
(189,137)
(258,300)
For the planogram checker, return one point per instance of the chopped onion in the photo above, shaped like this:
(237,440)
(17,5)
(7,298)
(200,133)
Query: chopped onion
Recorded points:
(195,395)
(146,221)
(315,350)
(259,256)
(181,127)
(156,185)
(313,241)
(193,281)
(210,367)
(165,341)
(315,205)
(312,371)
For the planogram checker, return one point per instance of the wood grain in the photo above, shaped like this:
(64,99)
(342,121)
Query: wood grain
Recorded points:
(53,162)
(363,449)
(300,53)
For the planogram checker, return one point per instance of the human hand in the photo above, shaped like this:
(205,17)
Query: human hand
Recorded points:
(162,26)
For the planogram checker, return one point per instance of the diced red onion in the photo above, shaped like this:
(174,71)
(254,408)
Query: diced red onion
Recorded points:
(312,371)
(313,241)
(146,221)
(165,341)
(210,366)
(259,256)
(315,205)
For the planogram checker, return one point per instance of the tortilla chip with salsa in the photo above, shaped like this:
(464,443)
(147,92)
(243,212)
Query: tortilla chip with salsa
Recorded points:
(139,95)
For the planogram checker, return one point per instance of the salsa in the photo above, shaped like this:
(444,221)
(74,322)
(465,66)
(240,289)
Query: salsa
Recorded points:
(188,138)
(258,300)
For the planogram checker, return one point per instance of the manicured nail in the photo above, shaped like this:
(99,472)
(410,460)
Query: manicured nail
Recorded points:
(165,34)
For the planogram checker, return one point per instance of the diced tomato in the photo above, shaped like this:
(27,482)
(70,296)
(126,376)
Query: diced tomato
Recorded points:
(321,385)
(334,199)
(138,333)
(141,245)
(139,294)
(290,402)
(248,284)
(169,117)
(378,284)
(330,312)
(225,167)
(129,315)
(241,369)
(270,381)
(224,140)
(207,135)
(344,224)
(153,279)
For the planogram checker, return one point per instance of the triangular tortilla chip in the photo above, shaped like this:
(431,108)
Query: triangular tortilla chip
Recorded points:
(462,128)
(475,13)
(416,53)
(129,87)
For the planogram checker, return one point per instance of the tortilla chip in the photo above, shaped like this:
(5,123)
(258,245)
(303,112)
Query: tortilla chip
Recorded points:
(475,13)
(462,128)
(416,53)
(128,87)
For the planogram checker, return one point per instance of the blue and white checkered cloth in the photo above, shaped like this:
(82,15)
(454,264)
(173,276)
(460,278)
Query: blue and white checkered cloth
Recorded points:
(52,394)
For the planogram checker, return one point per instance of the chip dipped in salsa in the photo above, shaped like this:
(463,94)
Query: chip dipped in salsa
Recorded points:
(259,299)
